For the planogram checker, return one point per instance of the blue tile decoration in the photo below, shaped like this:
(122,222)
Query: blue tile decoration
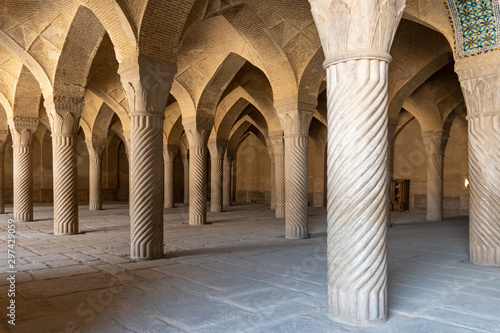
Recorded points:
(476,26)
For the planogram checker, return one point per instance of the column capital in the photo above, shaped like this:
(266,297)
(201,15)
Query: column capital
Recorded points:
(95,147)
(480,80)
(270,152)
(147,81)
(278,145)
(230,155)
(435,142)
(198,130)
(64,111)
(217,148)
(169,152)
(356,29)
(295,117)
(22,130)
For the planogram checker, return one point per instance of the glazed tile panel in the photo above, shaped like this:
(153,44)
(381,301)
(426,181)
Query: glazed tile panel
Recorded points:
(476,26)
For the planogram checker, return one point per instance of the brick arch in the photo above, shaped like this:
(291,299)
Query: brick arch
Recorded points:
(214,89)
(6,107)
(253,94)
(28,95)
(78,53)
(310,82)
(112,103)
(102,121)
(162,26)
(29,61)
(172,125)
(120,30)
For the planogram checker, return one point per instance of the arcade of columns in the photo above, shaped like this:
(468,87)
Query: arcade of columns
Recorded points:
(356,37)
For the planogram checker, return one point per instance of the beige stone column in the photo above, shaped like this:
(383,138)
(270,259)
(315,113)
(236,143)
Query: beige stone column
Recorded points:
(270,151)
(185,164)
(169,153)
(3,138)
(95,148)
(64,115)
(296,118)
(197,133)
(146,81)
(356,37)
(226,179)
(279,158)
(22,130)
(216,149)
(480,80)
(435,143)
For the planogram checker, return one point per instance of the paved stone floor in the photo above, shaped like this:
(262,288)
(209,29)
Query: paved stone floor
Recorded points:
(237,274)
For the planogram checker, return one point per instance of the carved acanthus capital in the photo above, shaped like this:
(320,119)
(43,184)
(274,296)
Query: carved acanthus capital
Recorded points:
(357,28)
(198,131)
(147,82)
(169,152)
(22,130)
(95,147)
(270,152)
(295,117)
(230,155)
(435,142)
(64,125)
(480,81)
(217,148)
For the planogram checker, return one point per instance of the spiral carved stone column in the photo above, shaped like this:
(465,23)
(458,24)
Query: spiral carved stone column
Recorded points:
(356,45)
(95,148)
(185,164)
(357,190)
(22,130)
(273,177)
(279,157)
(197,135)
(3,138)
(226,180)
(169,153)
(296,187)
(146,172)
(480,80)
(435,143)
(216,159)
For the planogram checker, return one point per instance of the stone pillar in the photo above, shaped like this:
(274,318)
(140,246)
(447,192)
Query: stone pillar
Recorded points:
(217,149)
(279,158)
(169,153)
(95,148)
(296,119)
(197,133)
(356,37)
(146,81)
(22,130)
(185,164)
(480,80)
(64,115)
(226,179)
(435,143)
(270,151)
(3,137)
(392,126)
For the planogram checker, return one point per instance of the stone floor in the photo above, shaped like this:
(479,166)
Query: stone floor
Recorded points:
(237,274)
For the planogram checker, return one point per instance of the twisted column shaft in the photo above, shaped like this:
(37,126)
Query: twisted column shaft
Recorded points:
(216,159)
(169,160)
(279,158)
(484,175)
(357,190)
(197,183)
(95,148)
(146,170)
(95,183)
(273,177)
(226,180)
(185,164)
(435,143)
(65,184)
(296,187)
(23,183)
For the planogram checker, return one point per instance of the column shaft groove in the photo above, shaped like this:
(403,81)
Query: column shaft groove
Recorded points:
(197,185)
(23,183)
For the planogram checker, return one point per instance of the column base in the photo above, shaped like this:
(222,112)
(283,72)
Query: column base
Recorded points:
(482,263)
(357,323)
(148,258)
(67,234)
(197,220)
(168,206)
